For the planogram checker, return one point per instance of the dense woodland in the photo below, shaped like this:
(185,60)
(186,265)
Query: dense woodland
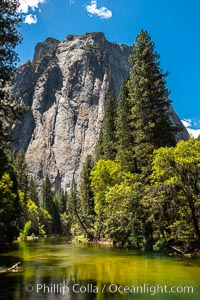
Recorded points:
(142,187)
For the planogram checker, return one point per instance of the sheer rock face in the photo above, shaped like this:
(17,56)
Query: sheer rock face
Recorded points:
(65,88)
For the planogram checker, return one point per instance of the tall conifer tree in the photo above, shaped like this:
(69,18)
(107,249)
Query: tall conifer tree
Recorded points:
(9,198)
(47,195)
(148,96)
(33,191)
(105,148)
(123,129)
(9,38)
(21,169)
(86,193)
(63,198)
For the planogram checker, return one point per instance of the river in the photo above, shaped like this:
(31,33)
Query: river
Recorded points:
(57,269)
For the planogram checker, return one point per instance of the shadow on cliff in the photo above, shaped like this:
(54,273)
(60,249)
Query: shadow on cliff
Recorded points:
(52,85)
(52,82)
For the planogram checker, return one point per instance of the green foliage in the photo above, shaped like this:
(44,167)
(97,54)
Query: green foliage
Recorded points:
(105,148)
(32,190)
(65,223)
(25,232)
(4,162)
(56,226)
(33,216)
(51,205)
(45,224)
(9,209)
(47,195)
(41,220)
(61,200)
(86,195)
(123,133)
(21,170)
(78,223)
(117,195)
(154,213)
(9,37)
(62,215)
(123,209)
(105,174)
(148,96)
(174,196)
(9,200)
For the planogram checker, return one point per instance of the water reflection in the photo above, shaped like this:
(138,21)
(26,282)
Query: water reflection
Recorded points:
(55,269)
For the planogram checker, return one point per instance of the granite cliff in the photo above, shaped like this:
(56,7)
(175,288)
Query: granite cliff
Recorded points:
(65,87)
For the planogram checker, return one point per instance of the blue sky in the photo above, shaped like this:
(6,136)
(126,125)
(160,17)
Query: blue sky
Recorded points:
(174,26)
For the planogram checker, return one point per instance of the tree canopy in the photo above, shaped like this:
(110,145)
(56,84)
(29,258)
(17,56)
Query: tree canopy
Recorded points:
(176,181)
(9,198)
(9,39)
(149,101)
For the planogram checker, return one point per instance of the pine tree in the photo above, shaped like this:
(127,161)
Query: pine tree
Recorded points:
(86,193)
(9,199)
(148,96)
(47,195)
(21,167)
(50,205)
(123,129)
(33,191)
(105,148)
(9,39)
(73,198)
(56,225)
(63,198)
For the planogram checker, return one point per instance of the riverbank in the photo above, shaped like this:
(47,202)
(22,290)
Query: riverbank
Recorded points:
(177,250)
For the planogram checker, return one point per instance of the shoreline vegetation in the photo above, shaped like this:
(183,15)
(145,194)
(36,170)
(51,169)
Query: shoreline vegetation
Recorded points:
(173,250)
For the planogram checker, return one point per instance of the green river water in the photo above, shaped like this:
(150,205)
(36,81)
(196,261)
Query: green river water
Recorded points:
(56,269)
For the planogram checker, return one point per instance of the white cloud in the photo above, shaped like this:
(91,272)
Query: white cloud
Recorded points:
(103,12)
(192,132)
(187,122)
(25,5)
(30,19)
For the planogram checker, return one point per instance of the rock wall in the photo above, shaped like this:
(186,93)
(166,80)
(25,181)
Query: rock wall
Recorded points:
(65,88)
